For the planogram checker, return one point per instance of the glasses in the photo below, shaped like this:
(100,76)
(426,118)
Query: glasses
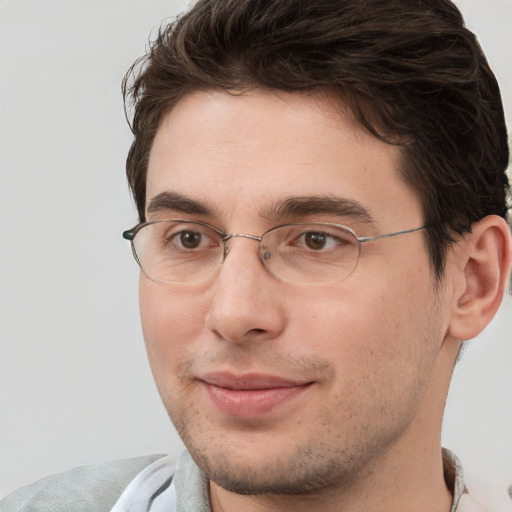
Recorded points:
(183,251)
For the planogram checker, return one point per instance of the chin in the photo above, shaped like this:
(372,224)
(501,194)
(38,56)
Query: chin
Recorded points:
(247,469)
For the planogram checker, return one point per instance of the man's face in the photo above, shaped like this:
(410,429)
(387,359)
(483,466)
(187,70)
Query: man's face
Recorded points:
(275,386)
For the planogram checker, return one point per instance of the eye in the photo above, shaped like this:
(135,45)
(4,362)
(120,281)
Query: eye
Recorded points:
(189,239)
(186,237)
(318,240)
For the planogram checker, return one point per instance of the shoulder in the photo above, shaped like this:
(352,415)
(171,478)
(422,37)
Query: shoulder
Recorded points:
(88,488)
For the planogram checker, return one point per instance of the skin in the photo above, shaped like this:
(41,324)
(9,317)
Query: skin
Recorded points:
(376,349)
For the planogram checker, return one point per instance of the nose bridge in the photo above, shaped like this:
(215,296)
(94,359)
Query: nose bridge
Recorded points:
(228,237)
(242,307)
(244,253)
(241,235)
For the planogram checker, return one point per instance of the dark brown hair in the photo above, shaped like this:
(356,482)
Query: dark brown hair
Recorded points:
(409,69)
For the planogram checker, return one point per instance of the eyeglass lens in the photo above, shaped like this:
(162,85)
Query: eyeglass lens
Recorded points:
(188,252)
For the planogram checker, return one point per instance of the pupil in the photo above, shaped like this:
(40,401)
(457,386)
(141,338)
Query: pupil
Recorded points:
(190,240)
(315,241)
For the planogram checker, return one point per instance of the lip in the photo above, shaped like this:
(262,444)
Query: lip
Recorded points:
(250,395)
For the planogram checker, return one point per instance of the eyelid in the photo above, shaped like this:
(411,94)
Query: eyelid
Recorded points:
(178,219)
(357,225)
(335,232)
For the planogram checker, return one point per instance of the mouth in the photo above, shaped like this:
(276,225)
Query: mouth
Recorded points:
(251,395)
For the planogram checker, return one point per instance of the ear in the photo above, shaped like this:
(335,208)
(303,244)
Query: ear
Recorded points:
(482,262)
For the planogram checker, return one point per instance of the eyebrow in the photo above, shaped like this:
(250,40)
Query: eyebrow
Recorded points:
(301,206)
(179,203)
(313,205)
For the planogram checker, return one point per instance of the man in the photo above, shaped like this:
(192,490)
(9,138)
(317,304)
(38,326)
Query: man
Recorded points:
(322,198)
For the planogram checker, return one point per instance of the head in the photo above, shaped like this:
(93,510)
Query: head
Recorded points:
(249,114)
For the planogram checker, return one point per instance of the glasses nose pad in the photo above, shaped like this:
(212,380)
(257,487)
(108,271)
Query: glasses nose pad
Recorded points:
(225,252)
(265,254)
(266,257)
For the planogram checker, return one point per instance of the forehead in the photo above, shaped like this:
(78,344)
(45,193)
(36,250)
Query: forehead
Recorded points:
(239,153)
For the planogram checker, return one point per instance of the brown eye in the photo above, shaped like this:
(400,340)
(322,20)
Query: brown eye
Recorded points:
(190,239)
(315,241)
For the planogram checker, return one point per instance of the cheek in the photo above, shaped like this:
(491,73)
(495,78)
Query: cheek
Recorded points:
(171,321)
(374,331)
(382,347)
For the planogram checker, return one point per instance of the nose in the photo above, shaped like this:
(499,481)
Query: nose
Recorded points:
(246,303)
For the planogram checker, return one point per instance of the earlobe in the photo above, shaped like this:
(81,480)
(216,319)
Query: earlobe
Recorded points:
(483,261)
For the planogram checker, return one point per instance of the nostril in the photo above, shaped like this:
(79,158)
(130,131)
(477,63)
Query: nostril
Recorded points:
(256,331)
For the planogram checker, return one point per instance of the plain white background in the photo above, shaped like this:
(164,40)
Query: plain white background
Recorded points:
(75,386)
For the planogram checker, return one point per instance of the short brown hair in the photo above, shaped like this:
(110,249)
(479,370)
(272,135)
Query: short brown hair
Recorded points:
(409,69)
